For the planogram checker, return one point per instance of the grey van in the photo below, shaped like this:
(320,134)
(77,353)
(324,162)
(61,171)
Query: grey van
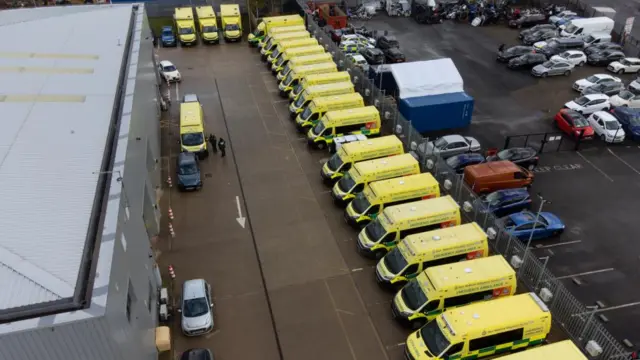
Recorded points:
(560,45)
(196,308)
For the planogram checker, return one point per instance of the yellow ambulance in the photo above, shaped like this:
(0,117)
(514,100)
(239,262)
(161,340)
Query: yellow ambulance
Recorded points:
(364,120)
(299,59)
(399,221)
(280,30)
(325,69)
(273,42)
(483,329)
(563,350)
(273,22)
(278,56)
(301,81)
(444,287)
(192,137)
(310,116)
(339,88)
(379,194)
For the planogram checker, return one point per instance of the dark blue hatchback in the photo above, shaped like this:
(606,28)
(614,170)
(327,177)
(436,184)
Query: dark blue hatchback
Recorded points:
(504,202)
(630,120)
(459,162)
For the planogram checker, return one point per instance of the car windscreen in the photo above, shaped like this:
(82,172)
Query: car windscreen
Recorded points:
(454,162)
(195,307)
(188,169)
(192,139)
(548,64)
(579,120)
(186,31)
(582,100)
(505,154)
(634,119)
(626,95)
(169,68)
(611,125)
(494,198)
(592,79)
(440,143)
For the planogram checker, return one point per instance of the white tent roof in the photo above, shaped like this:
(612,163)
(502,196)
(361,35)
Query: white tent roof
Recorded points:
(423,78)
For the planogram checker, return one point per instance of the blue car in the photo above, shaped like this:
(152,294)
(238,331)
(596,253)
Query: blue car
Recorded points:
(564,20)
(167,37)
(459,162)
(630,121)
(504,202)
(188,170)
(521,224)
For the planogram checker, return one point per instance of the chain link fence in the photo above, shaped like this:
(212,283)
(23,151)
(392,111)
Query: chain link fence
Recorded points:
(577,320)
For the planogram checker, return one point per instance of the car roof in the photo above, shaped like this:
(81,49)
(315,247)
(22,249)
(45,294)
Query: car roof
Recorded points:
(626,111)
(596,96)
(632,58)
(357,57)
(197,354)
(166,63)
(605,115)
(168,27)
(513,192)
(574,52)
(186,157)
(523,217)
(470,156)
(454,138)
(193,289)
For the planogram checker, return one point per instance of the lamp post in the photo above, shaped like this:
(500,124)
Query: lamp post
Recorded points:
(535,223)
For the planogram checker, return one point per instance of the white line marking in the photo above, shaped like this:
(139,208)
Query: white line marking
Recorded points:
(177,92)
(325,191)
(595,167)
(280,101)
(556,244)
(585,273)
(356,270)
(345,312)
(619,307)
(623,161)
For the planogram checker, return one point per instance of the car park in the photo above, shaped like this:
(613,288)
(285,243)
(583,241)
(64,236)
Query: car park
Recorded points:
(630,121)
(526,224)
(576,57)
(559,45)
(606,127)
(513,52)
(540,35)
(581,84)
(459,162)
(359,61)
(526,32)
(589,104)
(188,171)
(450,145)
(608,88)
(526,157)
(573,124)
(625,98)
(374,56)
(169,71)
(528,20)
(393,55)
(552,68)
(526,61)
(387,42)
(625,66)
(607,46)
(196,308)
(605,57)
(197,354)
(504,202)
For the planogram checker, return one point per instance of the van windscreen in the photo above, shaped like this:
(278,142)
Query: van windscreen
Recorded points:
(375,231)
(413,295)
(192,139)
(434,338)
(395,261)
(361,203)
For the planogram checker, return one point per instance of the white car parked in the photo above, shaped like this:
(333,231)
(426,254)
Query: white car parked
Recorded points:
(626,65)
(575,57)
(625,98)
(634,86)
(169,71)
(359,61)
(607,127)
(589,104)
(357,38)
(593,80)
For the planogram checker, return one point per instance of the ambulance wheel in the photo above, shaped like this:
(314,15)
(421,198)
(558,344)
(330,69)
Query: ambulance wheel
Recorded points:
(321,145)
(417,324)
(379,254)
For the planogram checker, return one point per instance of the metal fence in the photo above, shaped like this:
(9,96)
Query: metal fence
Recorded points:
(577,320)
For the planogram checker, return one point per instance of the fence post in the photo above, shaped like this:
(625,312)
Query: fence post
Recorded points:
(506,142)
(544,267)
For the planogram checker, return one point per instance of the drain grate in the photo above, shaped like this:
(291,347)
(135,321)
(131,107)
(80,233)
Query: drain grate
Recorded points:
(208,175)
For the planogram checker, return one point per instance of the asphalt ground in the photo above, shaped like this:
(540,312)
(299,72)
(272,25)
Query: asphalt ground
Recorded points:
(594,190)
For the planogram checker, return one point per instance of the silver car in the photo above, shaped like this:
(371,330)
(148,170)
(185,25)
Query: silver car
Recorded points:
(196,308)
(450,145)
(552,68)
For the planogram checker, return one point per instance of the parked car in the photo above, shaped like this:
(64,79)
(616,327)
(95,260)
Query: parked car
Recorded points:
(387,42)
(526,32)
(573,124)
(357,38)
(188,171)
(359,61)
(605,57)
(576,57)
(626,65)
(522,156)
(594,79)
(565,20)
(607,127)
(513,52)
(450,145)
(196,308)
(167,37)
(634,86)
(393,55)
(589,104)
(552,68)
(523,224)
(374,56)
(528,20)
(504,202)
(197,354)
(169,71)
(630,121)
(625,98)
(352,47)
(558,46)
(609,88)
(540,35)
(459,162)
(526,61)
(607,46)
(561,15)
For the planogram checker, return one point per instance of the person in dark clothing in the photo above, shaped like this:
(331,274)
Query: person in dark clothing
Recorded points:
(222,145)
(501,47)
(212,141)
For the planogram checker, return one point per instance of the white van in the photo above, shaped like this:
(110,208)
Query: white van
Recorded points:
(595,39)
(579,27)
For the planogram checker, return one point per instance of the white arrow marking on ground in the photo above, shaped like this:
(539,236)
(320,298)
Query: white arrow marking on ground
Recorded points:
(240,219)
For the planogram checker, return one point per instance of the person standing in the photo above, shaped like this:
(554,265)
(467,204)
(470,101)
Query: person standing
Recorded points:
(222,145)
(501,47)
(212,141)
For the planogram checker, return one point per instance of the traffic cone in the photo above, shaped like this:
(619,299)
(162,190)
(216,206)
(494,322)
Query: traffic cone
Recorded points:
(169,181)
(171,232)
(172,273)
(170,214)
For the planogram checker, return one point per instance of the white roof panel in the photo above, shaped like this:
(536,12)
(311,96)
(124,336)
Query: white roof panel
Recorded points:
(424,78)
(56,99)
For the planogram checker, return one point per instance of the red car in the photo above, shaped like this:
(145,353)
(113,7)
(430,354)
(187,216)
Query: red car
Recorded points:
(573,124)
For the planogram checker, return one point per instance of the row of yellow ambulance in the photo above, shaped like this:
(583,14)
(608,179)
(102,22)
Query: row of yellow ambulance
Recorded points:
(207,24)
(440,268)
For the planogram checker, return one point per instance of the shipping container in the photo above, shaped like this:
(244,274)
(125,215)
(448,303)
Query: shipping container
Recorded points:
(438,112)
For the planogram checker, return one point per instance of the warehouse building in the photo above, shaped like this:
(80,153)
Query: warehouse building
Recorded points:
(79,173)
